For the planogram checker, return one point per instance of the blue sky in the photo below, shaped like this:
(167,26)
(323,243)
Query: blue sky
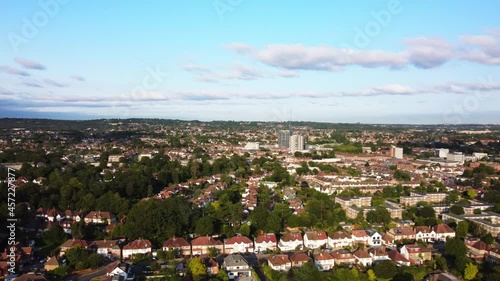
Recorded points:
(332,61)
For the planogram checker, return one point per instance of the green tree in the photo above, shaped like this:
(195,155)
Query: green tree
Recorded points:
(427,212)
(403,276)
(379,215)
(457,210)
(371,275)
(204,226)
(245,230)
(222,275)
(385,269)
(94,260)
(307,272)
(77,257)
(54,236)
(258,217)
(462,229)
(274,223)
(455,248)
(488,239)
(155,266)
(470,271)
(441,263)
(401,175)
(197,268)
(471,193)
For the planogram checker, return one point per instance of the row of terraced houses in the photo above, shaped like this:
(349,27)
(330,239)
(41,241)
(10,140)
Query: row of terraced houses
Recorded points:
(291,241)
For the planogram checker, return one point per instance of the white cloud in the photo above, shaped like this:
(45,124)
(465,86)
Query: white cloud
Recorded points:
(426,52)
(390,89)
(31,64)
(14,71)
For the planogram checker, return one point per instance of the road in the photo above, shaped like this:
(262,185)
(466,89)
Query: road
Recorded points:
(101,271)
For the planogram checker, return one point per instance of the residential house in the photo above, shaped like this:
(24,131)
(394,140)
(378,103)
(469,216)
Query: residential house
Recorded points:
(279,262)
(119,271)
(476,249)
(52,263)
(238,244)
(396,257)
(416,253)
(424,233)
(438,275)
(236,267)
(212,266)
(299,259)
(362,257)
(339,239)
(106,248)
(265,242)
(401,233)
(72,243)
(324,261)
(49,214)
(139,246)
(493,256)
(375,237)
(203,244)
(378,254)
(69,215)
(291,241)
(315,239)
(359,236)
(343,256)
(387,240)
(443,231)
(178,244)
(99,217)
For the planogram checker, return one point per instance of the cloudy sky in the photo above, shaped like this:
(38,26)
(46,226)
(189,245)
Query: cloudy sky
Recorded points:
(333,61)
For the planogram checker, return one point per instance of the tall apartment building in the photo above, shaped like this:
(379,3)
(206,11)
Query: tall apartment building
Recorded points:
(396,152)
(297,143)
(284,138)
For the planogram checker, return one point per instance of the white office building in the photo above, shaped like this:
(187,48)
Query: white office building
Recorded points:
(442,152)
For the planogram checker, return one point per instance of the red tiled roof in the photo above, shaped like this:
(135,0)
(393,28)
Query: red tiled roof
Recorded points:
(292,236)
(443,228)
(323,256)
(359,233)
(300,257)
(176,242)
(238,240)
(316,235)
(339,235)
(423,229)
(397,257)
(361,254)
(138,244)
(266,238)
(277,260)
(205,241)
(480,245)
(342,254)
(75,242)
